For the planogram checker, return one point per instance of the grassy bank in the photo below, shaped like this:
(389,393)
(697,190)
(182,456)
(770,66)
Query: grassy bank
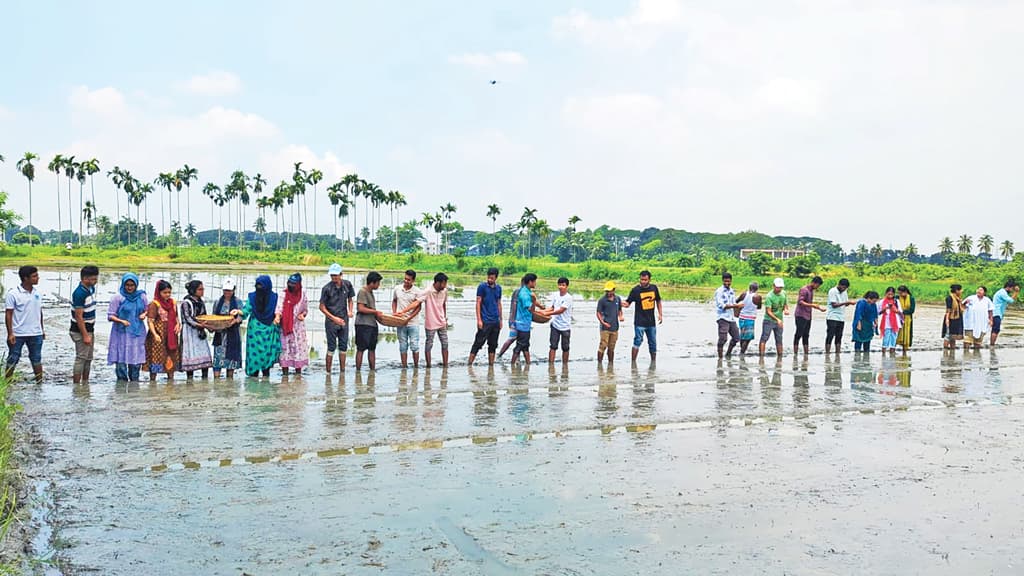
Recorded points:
(929,282)
(9,481)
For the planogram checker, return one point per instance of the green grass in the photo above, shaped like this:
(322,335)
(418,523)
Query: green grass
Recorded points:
(9,480)
(929,282)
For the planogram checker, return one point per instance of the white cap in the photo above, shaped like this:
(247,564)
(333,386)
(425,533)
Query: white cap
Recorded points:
(779,283)
(334,270)
(229,284)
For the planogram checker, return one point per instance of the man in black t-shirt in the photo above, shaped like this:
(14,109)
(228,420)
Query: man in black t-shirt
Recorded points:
(648,298)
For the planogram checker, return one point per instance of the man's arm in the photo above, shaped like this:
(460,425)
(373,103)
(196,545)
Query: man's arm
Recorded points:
(660,317)
(9,320)
(479,315)
(80,321)
(394,303)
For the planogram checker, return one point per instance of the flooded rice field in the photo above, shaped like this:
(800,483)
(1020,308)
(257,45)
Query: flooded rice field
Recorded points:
(871,465)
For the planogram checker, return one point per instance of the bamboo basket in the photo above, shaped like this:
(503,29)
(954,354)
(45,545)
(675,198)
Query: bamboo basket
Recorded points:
(394,321)
(217,321)
(540,319)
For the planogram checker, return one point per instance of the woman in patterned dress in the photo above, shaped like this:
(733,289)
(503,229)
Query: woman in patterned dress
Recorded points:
(291,317)
(262,336)
(195,349)
(162,350)
(227,343)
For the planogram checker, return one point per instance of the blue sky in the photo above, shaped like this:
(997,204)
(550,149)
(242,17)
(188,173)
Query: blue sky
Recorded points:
(857,121)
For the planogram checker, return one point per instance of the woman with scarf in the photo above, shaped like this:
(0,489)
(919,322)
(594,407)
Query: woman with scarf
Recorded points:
(291,317)
(262,336)
(890,320)
(162,350)
(227,343)
(953,323)
(127,314)
(195,350)
(909,305)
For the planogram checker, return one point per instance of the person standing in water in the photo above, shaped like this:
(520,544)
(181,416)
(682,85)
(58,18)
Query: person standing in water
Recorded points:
(978,315)
(908,304)
(609,315)
(890,320)
(367,314)
(291,316)
(83,323)
(561,321)
(953,322)
(127,315)
(804,307)
(195,350)
(526,304)
(336,305)
(227,343)
(865,321)
(1003,298)
(162,350)
(835,315)
(404,298)
(775,307)
(751,303)
(648,298)
(434,301)
(262,335)
(488,317)
(725,308)
(24,319)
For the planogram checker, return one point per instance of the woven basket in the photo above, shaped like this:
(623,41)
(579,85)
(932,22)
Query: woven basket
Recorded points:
(217,321)
(393,321)
(540,319)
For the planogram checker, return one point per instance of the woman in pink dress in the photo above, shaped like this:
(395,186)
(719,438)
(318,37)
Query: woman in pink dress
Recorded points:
(291,316)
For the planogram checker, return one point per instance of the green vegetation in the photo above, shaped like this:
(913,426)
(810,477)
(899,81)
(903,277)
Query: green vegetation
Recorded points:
(9,480)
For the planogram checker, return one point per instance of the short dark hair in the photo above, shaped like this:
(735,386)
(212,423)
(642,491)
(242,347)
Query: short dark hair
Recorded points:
(817,280)
(844,282)
(563,280)
(440,277)
(645,273)
(25,272)
(1010,284)
(871,294)
(492,271)
(983,289)
(955,287)
(373,277)
(726,276)
(89,271)
(411,272)
(529,277)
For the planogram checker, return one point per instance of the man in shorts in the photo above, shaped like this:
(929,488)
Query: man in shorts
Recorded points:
(609,314)
(404,298)
(775,307)
(647,297)
(366,321)
(336,306)
(488,317)
(1003,298)
(83,323)
(953,323)
(526,304)
(561,321)
(24,319)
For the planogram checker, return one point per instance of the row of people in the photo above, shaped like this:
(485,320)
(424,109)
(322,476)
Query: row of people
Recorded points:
(890,316)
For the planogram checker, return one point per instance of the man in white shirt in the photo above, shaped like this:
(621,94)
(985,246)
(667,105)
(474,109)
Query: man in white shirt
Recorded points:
(835,315)
(561,321)
(725,305)
(24,320)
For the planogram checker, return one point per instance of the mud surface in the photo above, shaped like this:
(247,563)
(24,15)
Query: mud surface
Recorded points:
(819,466)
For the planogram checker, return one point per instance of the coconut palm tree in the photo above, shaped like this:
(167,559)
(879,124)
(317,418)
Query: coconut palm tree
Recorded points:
(493,211)
(946,245)
(144,191)
(351,182)
(964,244)
(910,251)
(80,176)
(57,167)
(334,192)
(1006,250)
(190,232)
(376,198)
(396,200)
(282,195)
(187,175)
(165,180)
(573,221)
(526,221)
(313,177)
(216,196)
(92,167)
(985,244)
(70,167)
(28,170)
(447,211)
(430,222)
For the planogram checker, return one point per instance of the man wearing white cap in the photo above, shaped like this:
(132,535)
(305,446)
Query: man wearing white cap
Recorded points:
(336,305)
(775,307)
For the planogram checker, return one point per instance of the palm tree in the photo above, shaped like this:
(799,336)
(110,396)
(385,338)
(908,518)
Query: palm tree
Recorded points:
(165,180)
(187,175)
(70,167)
(964,244)
(91,167)
(1006,250)
(28,170)
(261,228)
(216,196)
(985,244)
(89,211)
(313,177)
(143,193)
(543,232)
(80,176)
(396,200)
(351,182)
(876,253)
(334,196)
(526,221)
(190,232)
(946,245)
(375,197)
(282,194)
(429,221)
(910,251)
(57,167)
(492,212)
(573,221)
(447,211)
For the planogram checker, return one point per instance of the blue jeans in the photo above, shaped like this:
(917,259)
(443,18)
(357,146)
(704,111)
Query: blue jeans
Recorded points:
(35,350)
(127,372)
(652,337)
(408,337)
(862,346)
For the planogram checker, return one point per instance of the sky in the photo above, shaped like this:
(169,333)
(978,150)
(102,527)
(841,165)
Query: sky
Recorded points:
(860,121)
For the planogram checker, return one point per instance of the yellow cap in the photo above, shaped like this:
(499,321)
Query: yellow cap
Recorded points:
(609,286)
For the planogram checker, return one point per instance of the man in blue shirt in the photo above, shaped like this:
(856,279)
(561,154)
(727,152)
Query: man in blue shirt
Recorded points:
(526,305)
(488,317)
(83,323)
(1003,298)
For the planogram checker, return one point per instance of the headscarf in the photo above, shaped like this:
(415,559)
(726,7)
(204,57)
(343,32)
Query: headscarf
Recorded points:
(132,306)
(292,296)
(170,339)
(956,311)
(263,301)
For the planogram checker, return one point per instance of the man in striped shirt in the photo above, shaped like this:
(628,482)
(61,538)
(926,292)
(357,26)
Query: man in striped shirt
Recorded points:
(83,322)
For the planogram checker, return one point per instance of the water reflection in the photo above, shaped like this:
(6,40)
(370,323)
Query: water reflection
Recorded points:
(734,386)
(771,386)
(364,402)
(335,402)
(607,393)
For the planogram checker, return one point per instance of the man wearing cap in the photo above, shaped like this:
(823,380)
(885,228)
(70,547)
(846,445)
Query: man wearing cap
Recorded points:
(775,307)
(336,305)
(609,314)
(835,316)
(725,304)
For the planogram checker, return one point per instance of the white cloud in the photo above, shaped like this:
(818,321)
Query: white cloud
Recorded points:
(640,28)
(216,83)
(107,101)
(797,96)
(481,60)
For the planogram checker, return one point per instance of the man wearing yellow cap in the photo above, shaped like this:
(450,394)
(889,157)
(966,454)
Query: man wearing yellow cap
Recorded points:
(609,314)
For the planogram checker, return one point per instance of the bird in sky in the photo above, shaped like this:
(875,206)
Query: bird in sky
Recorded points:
(493,82)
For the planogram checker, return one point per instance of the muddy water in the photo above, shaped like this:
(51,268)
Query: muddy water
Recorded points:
(870,465)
